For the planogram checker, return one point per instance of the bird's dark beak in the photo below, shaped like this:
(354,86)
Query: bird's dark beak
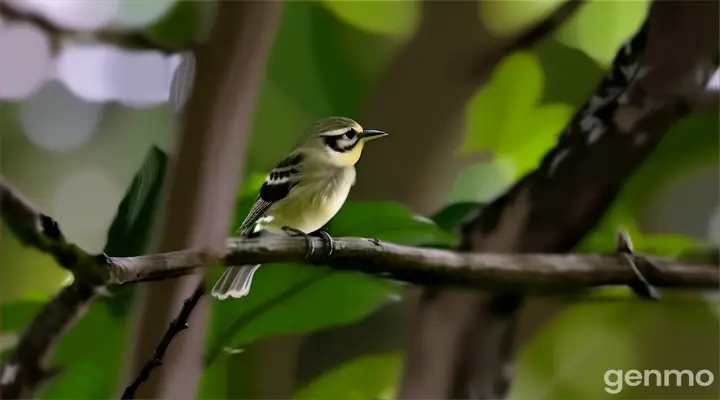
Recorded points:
(369,134)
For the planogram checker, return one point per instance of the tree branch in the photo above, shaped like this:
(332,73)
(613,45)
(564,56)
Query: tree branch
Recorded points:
(418,265)
(463,344)
(430,267)
(130,40)
(24,370)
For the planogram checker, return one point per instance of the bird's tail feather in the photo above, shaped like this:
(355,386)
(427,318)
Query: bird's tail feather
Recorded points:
(234,282)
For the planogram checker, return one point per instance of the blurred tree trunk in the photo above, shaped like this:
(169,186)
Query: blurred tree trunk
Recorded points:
(201,192)
(464,342)
(420,100)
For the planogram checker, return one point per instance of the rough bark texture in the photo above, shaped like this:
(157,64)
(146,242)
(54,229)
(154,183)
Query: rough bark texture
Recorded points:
(463,342)
(201,190)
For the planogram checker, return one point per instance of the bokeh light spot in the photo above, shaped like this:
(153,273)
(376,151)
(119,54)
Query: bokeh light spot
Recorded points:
(26,60)
(72,14)
(56,120)
(137,14)
(103,73)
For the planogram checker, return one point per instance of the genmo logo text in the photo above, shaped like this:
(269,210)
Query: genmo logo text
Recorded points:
(616,379)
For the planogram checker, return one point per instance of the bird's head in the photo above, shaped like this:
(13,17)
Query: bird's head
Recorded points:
(340,139)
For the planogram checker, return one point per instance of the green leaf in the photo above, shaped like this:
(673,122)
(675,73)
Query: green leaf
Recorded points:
(130,231)
(90,353)
(600,27)
(570,75)
(388,221)
(514,89)
(543,125)
(397,19)
(187,23)
(290,298)
(368,377)
(505,116)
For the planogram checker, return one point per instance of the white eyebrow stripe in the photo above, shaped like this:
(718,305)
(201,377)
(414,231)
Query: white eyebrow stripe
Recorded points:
(334,132)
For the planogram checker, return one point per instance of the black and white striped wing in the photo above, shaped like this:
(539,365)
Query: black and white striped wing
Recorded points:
(277,185)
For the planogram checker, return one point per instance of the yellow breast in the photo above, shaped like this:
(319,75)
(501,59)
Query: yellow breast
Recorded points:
(313,203)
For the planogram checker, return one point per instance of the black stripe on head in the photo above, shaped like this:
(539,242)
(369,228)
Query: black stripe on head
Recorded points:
(342,143)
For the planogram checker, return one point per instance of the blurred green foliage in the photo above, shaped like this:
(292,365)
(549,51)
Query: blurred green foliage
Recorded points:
(368,377)
(326,58)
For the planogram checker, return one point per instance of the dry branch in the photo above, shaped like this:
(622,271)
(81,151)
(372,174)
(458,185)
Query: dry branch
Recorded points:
(430,267)
(25,370)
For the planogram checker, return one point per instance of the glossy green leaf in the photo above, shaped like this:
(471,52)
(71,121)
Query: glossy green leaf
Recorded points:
(388,221)
(483,181)
(398,19)
(130,231)
(290,298)
(600,27)
(90,353)
(185,24)
(368,377)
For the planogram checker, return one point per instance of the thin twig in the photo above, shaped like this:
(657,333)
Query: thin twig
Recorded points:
(178,325)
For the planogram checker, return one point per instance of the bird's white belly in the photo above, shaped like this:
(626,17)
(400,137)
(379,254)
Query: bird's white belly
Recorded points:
(310,207)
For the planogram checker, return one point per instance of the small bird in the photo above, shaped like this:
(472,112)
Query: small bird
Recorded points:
(302,193)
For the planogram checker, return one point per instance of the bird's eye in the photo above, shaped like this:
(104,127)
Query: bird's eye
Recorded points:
(350,134)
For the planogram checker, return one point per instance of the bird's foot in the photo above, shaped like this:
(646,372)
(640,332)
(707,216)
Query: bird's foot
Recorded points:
(329,242)
(297,232)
